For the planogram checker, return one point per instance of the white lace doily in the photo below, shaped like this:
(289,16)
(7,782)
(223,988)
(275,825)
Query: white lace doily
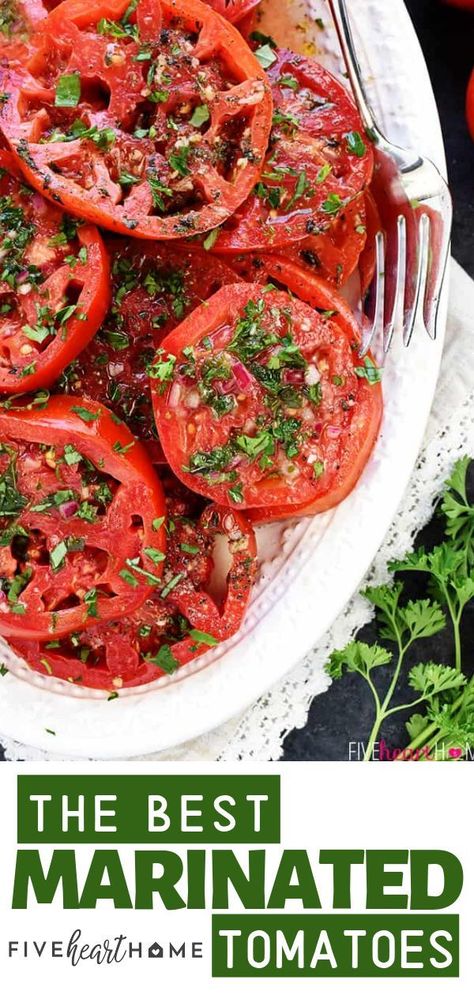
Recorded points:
(258,734)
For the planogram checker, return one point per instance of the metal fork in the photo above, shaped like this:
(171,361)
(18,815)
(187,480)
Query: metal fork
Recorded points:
(411,253)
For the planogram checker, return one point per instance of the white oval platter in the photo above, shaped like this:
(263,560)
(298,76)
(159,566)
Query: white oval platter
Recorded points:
(310,569)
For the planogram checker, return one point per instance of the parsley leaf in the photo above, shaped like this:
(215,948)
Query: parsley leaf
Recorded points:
(68,90)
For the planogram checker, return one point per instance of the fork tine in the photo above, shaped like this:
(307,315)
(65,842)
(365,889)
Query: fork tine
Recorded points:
(416,314)
(375,330)
(396,320)
(440,243)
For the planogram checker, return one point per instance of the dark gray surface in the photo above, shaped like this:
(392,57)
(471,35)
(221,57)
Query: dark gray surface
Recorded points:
(344,714)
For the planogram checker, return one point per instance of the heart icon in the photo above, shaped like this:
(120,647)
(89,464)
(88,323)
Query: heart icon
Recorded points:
(455,752)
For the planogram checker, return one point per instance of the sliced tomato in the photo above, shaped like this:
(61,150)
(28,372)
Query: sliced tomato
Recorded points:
(233,10)
(282,271)
(366,423)
(81,517)
(248,23)
(318,160)
(165,632)
(260,400)
(332,256)
(154,286)
(54,285)
(154,123)
(470,105)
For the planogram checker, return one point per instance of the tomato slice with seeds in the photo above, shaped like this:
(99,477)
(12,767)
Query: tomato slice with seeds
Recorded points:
(165,633)
(333,255)
(154,122)
(317,160)
(154,286)
(256,397)
(54,288)
(81,517)
(366,423)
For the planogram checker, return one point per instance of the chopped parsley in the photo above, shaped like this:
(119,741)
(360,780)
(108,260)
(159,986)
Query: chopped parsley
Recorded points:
(90,599)
(188,548)
(266,56)
(178,160)
(162,369)
(235,493)
(158,190)
(212,461)
(355,144)
(211,239)
(11,501)
(203,637)
(154,554)
(200,116)
(164,659)
(369,371)
(84,413)
(118,447)
(333,204)
(171,585)
(285,120)
(71,455)
(134,565)
(58,555)
(289,81)
(68,90)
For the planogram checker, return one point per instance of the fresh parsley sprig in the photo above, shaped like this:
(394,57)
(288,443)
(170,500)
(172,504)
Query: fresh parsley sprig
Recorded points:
(448,719)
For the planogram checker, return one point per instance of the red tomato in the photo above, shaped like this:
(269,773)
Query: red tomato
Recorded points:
(82,516)
(248,24)
(464,4)
(164,633)
(333,255)
(317,160)
(153,125)
(365,426)
(54,285)
(154,286)
(233,10)
(470,105)
(260,400)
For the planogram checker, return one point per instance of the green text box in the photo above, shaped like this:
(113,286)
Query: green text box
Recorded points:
(250,956)
(131,806)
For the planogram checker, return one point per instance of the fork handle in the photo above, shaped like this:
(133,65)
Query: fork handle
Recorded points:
(341,20)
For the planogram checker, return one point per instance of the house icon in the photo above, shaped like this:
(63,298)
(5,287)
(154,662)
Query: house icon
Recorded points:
(155,950)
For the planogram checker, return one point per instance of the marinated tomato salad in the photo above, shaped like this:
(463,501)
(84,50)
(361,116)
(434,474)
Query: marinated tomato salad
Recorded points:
(181,202)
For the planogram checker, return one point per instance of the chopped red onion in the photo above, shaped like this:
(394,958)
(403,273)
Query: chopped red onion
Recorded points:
(242,375)
(193,399)
(68,508)
(293,376)
(174,395)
